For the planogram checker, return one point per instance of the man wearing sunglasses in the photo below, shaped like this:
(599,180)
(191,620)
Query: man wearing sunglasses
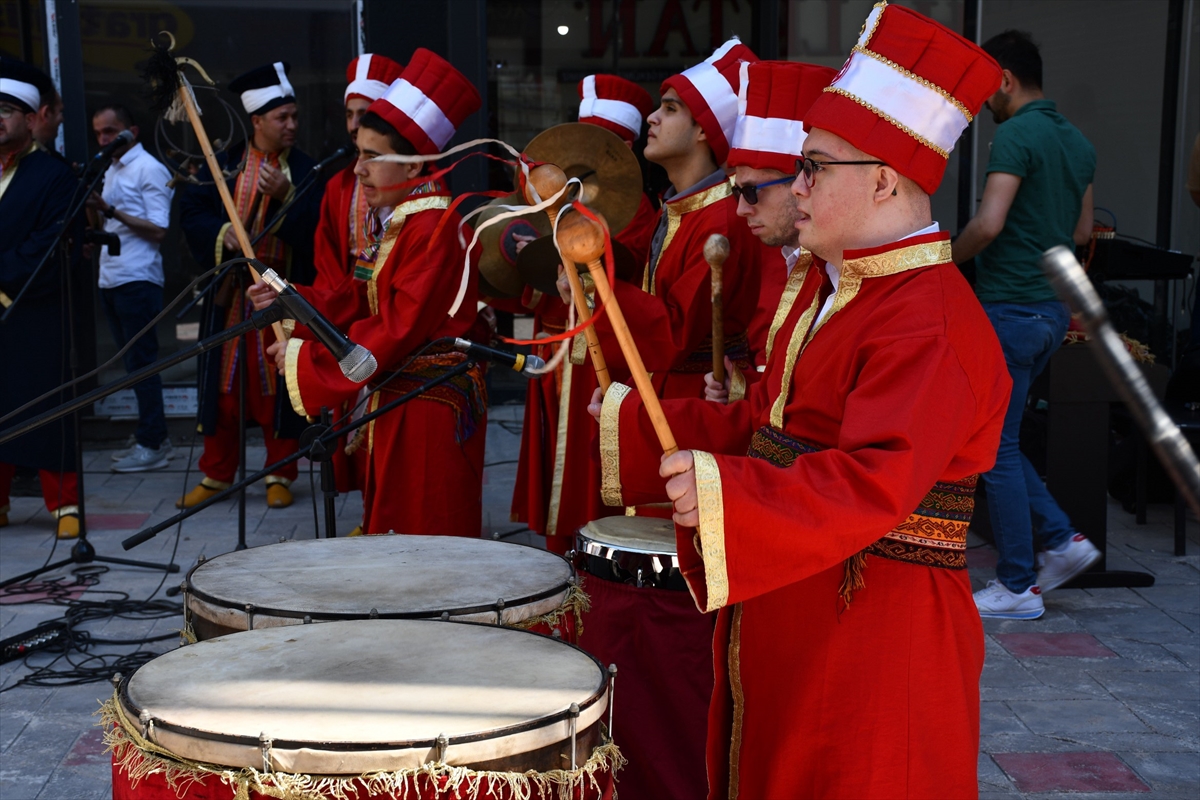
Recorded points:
(773,98)
(825,518)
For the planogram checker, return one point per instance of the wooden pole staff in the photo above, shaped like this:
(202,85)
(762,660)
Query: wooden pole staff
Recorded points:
(716,250)
(548,180)
(582,241)
(210,158)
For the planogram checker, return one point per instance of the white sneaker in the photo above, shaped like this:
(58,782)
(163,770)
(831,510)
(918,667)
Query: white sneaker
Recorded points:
(995,601)
(167,449)
(1056,567)
(142,459)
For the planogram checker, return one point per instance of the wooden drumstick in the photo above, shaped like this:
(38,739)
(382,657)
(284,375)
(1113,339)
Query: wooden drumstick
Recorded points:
(239,230)
(583,242)
(716,250)
(548,180)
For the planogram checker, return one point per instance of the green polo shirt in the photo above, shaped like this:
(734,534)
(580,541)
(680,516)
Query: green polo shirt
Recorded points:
(1055,164)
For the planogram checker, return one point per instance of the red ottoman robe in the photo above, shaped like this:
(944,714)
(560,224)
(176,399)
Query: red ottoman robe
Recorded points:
(671,316)
(425,472)
(900,388)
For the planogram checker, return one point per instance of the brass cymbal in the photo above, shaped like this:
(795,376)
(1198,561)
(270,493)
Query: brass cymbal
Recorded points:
(498,275)
(538,265)
(612,179)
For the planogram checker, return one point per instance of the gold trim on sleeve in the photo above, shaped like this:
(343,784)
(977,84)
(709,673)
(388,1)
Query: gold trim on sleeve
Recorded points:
(737,384)
(291,376)
(610,444)
(711,505)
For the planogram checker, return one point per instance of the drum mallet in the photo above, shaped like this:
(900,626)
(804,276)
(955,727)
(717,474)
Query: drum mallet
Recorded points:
(582,241)
(548,180)
(1176,455)
(716,250)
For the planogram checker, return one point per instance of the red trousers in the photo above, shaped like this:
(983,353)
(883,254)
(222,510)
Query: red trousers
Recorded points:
(662,646)
(219,462)
(59,489)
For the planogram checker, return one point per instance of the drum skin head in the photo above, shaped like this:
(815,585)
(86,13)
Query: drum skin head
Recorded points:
(351,697)
(649,535)
(397,576)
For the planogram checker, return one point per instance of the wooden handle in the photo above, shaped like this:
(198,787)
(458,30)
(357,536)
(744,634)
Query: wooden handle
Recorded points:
(583,242)
(239,230)
(716,250)
(548,180)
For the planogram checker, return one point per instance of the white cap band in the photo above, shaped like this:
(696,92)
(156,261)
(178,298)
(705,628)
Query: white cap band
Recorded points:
(428,116)
(25,92)
(254,99)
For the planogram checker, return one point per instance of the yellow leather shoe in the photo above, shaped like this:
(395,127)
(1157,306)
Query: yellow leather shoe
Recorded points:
(195,497)
(68,526)
(278,496)
(356,532)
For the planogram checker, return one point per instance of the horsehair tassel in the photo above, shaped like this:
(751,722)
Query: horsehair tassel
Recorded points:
(548,180)
(716,250)
(584,241)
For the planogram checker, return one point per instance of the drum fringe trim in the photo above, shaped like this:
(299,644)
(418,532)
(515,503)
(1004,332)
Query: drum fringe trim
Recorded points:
(576,602)
(139,758)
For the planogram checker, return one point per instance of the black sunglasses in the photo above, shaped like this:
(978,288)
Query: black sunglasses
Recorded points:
(750,190)
(809,168)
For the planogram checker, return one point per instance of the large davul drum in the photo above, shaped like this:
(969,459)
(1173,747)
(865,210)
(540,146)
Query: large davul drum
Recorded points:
(643,619)
(416,709)
(384,577)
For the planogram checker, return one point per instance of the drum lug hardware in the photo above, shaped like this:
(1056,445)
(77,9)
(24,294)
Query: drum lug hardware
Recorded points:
(147,725)
(200,559)
(307,619)
(612,694)
(445,616)
(557,634)
(574,579)
(500,611)
(440,747)
(282,539)
(264,744)
(570,556)
(574,711)
(373,613)
(116,680)
(249,616)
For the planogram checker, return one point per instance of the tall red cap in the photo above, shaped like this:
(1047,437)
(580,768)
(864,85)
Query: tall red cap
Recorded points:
(614,103)
(369,76)
(710,91)
(773,100)
(428,102)
(909,89)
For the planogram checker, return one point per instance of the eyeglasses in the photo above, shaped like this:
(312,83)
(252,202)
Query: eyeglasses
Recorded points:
(809,168)
(750,190)
(7,111)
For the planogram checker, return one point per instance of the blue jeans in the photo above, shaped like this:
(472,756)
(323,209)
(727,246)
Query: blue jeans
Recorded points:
(1029,334)
(128,308)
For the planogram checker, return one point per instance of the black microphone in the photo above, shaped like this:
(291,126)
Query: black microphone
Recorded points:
(124,137)
(344,150)
(527,366)
(356,361)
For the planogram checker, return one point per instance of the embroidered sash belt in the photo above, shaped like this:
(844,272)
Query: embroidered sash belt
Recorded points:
(737,348)
(934,535)
(466,393)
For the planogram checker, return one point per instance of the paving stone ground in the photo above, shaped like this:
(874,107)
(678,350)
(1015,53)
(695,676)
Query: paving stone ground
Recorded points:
(1100,698)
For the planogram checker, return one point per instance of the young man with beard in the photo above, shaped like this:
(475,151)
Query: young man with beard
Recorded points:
(425,472)
(270,161)
(773,99)
(826,517)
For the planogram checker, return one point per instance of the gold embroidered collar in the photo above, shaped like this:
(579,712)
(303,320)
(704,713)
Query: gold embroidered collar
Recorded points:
(699,200)
(901,258)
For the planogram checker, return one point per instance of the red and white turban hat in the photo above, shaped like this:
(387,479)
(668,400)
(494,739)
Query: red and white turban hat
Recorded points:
(908,91)
(710,90)
(428,102)
(369,76)
(614,103)
(774,98)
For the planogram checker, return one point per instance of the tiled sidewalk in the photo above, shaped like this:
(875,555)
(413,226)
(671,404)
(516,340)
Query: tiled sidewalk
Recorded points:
(1099,698)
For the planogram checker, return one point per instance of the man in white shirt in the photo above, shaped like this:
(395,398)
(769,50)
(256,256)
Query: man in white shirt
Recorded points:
(135,205)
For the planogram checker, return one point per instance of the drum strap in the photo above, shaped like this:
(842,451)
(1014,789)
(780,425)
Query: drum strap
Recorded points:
(933,535)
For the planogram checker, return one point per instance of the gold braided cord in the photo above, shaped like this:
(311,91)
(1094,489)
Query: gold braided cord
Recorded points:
(940,151)
(912,76)
(139,758)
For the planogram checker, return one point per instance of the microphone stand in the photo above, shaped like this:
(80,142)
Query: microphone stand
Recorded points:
(83,552)
(317,451)
(325,440)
